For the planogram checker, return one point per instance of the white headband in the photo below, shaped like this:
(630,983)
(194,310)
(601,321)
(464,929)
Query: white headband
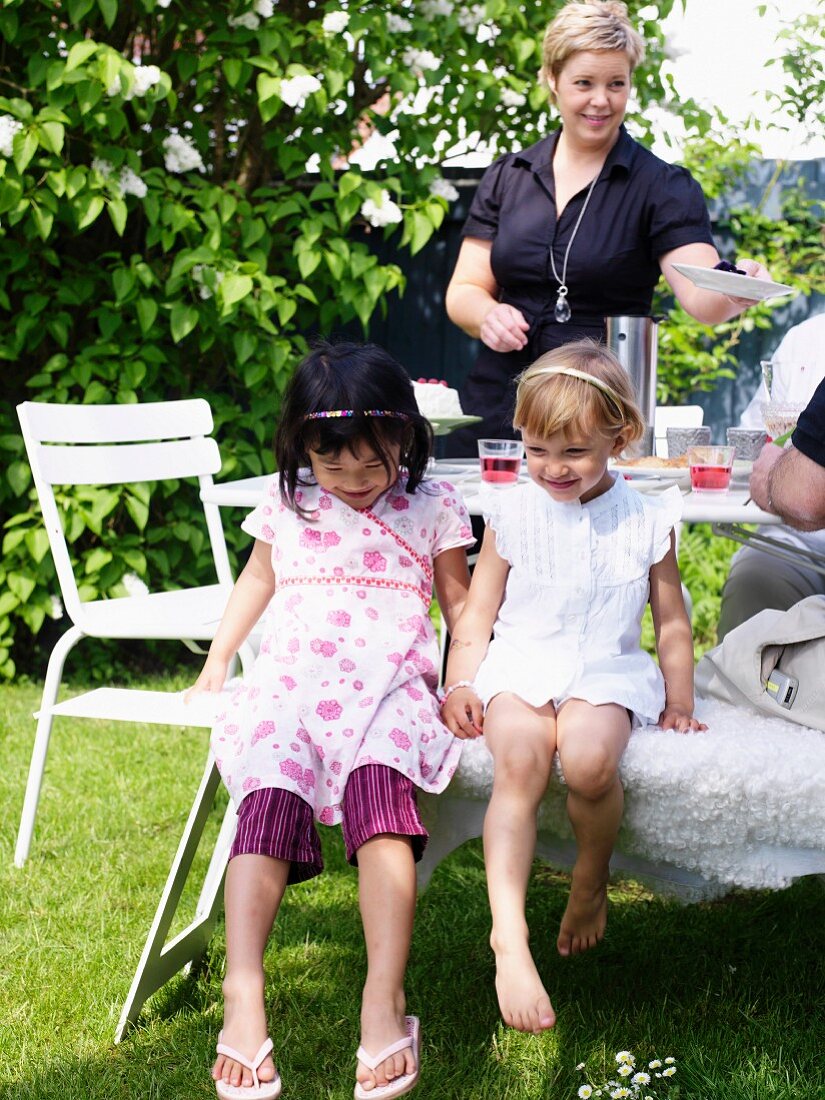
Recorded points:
(597,382)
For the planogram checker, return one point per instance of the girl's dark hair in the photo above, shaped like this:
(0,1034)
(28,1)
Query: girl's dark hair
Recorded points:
(350,376)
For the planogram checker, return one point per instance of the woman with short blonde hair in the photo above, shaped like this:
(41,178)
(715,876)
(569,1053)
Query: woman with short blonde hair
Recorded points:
(578,227)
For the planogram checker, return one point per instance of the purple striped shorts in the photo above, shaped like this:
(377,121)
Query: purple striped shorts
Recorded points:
(278,823)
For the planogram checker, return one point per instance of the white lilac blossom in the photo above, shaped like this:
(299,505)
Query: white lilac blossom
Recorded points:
(421,59)
(511,98)
(444,189)
(248,20)
(105,167)
(180,155)
(204,290)
(381,212)
(163,3)
(397,24)
(264,8)
(470,19)
(146,76)
(134,585)
(335,21)
(430,9)
(295,89)
(55,608)
(130,183)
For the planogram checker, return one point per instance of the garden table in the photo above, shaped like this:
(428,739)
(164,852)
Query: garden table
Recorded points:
(729,508)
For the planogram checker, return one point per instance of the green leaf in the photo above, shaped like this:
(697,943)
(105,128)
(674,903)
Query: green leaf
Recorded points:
(234,288)
(19,476)
(350,181)
(232,69)
(78,9)
(307,262)
(138,511)
(90,207)
(184,319)
(244,343)
(52,135)
(21,585)
(123,280)
(37,543)
(80,51)
(147,311)
(43,220)
(117,214)
(24,146)
(108,9)
(97,559)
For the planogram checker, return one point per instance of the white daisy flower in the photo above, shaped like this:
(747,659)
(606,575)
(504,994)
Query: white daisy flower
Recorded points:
(669,1071)
(585,1092)
(640,1079)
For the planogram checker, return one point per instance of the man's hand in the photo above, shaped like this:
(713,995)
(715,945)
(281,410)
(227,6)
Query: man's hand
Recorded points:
(760,476)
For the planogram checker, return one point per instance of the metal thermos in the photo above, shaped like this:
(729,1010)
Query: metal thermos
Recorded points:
(634,341)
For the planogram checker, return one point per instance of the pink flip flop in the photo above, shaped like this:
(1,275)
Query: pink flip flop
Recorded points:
(401,1085)
(260,1090)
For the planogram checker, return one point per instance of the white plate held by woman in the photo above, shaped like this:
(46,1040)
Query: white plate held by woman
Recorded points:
(729,282)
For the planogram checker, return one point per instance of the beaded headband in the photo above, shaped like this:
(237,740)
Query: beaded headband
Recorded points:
(331,413)
(608,391)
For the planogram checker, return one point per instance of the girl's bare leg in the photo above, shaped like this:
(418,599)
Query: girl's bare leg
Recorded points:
(386,888)
(522,741)
(591,742)
(254,888)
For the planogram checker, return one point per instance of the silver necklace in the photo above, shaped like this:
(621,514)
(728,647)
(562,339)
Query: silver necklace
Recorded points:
(562,312)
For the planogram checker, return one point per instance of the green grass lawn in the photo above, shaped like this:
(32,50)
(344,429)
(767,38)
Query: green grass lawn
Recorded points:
(733,989)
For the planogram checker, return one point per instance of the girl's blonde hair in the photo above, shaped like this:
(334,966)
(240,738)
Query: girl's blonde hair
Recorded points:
(589,25)
(547,403)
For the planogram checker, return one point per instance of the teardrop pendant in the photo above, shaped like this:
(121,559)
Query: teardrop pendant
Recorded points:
(562,312)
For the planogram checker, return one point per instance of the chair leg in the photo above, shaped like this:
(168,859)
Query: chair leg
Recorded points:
(54,674)
(160,960)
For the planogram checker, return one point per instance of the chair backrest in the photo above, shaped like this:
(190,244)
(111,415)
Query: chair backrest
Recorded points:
(674,416)
(118,444)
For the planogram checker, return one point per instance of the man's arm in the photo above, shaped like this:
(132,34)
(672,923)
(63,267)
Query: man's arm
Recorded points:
(791,485)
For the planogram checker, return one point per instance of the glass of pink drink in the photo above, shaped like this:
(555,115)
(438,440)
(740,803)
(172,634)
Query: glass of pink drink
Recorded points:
(500,461)
(710,468)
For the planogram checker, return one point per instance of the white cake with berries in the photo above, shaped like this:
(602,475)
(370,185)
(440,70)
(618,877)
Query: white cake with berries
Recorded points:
(436,400)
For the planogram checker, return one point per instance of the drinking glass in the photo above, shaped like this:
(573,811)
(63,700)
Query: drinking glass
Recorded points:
(780,417)
(500,461)
(710,468)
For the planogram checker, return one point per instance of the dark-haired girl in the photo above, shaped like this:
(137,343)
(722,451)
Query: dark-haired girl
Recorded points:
(339,719)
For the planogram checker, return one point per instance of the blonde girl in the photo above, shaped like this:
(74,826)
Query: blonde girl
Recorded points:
(569,561)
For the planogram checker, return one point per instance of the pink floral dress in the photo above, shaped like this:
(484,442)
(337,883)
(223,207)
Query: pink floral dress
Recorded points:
(348,663)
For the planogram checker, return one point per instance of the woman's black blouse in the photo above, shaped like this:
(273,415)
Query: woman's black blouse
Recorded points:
(641,207)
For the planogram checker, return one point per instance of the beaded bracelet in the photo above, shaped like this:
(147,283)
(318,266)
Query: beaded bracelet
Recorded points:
(447,692)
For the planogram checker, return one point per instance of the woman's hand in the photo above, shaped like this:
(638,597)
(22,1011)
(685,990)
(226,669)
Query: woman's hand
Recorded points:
(504,328)
(756,271)
(678,718)
(463,714)
(212,678)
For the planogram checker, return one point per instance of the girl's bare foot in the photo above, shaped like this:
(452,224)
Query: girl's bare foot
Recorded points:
(244,1028)
(585,917)
(383,1023)
(522,998)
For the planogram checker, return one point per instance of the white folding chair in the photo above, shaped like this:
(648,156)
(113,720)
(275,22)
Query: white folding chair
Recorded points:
(107,445)
(674,416)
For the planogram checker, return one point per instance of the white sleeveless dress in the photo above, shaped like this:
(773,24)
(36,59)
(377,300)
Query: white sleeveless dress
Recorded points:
(570,622)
